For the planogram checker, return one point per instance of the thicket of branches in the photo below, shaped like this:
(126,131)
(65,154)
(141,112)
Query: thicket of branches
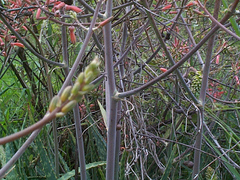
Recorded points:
(119,89)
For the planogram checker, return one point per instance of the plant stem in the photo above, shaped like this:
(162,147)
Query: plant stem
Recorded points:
(202,96)
(111,103)
(80,143)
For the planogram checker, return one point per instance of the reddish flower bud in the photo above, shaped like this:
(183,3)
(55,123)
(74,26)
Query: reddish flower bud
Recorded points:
(237,80)
(73,8)
(173,12)
(4,54)
(38,14)
(103,23)
(163,69)
(17,44)
(72,34)
(217,59)
(59,6)
(24,27)
(192,3)
(165,8)
(1,42)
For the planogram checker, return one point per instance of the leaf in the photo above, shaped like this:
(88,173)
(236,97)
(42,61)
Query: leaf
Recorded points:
(10,151)
(232,20)
(5,90)
(45,165)
(169,164)
(88,166)
(99,140)
(231,168)
(225,3)
(2,155)
(123,165)
(235,26)
(103,112)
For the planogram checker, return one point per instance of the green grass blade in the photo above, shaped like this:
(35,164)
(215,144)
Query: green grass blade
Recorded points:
(225,161)
(88,166)
(103,112)
(169,164)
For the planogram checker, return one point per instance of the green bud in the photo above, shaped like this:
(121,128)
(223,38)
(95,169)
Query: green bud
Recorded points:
(77,97)
(60,114)
(55,102)
(95,73)
(87,70)
(71,97)
(89,78)
(95,63)
(69,106)
(91,71)
(76,88)
(88,87)
(81,93)
(73,14)
(80,78)
(66,93)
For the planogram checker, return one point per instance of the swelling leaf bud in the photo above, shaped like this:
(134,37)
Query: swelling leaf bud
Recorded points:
(76,88)
(88,70)
(69,106)
(88,87)
(55,102)
(60,114)
(80,78)
(66,93)
(81,93)
(95,63)
(89,78)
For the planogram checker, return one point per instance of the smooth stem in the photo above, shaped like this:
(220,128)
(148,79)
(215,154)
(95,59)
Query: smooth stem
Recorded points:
(111,103)
(121,85)
(80,143)
(202,96)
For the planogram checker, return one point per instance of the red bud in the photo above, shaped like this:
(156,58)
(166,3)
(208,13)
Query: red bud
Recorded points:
(73,8)
(72,34)
(217,59)
(167,7)
(17,44)
(163,69)
(192,3)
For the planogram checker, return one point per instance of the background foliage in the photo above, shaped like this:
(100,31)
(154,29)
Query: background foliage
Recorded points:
(157,126)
